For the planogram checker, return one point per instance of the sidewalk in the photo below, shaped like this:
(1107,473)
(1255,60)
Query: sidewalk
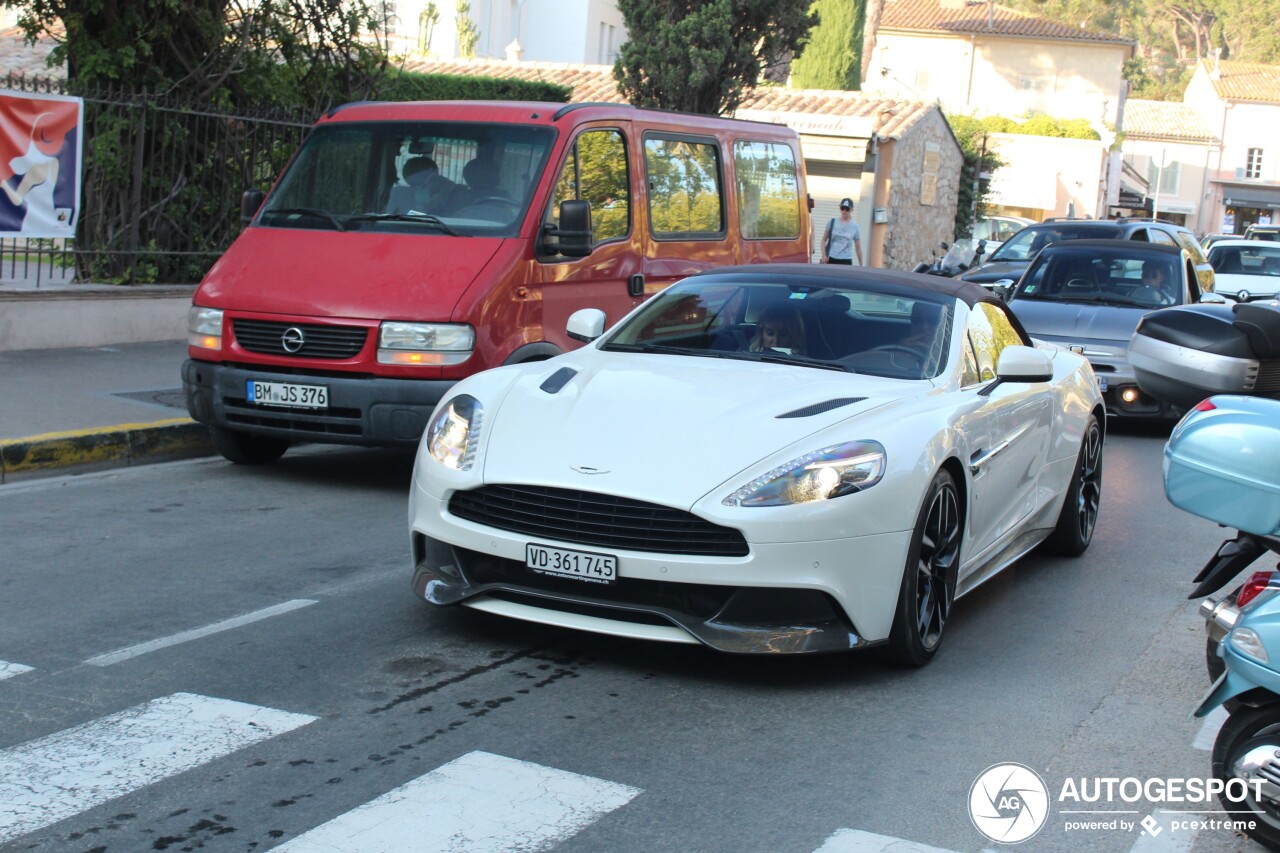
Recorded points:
(77,409)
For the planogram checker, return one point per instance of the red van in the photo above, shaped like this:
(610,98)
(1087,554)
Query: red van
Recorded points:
(408,245)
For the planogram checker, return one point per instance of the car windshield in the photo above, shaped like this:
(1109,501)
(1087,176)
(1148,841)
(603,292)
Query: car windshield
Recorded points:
(1124,276)
(419,177)
(1028,242)
(1256,259)
(854,329)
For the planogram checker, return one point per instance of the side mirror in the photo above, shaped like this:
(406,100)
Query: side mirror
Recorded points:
(574,231)
(1212,299)
(1003,288)
(1024,364)
(586,324)
(250,201)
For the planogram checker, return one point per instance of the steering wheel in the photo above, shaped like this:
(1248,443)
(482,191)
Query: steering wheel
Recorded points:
(492,199)
(1153,296)
(919,355)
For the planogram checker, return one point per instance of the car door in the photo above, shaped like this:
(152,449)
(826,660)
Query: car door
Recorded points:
(1007,431)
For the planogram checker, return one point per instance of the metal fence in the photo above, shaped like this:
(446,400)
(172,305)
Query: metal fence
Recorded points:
(161,186)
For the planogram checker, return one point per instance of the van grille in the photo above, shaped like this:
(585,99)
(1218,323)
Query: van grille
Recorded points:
(265,336)
(589,518)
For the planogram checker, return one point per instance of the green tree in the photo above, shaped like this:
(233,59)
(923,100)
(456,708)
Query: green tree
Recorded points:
(468,35)
(979,164)
(702,57)
(831,59)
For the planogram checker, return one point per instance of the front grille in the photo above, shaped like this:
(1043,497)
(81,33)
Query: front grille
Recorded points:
(266,336)
(589,518)
(1268,381)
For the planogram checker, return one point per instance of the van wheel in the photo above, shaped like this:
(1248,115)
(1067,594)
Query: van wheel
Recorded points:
(245,449)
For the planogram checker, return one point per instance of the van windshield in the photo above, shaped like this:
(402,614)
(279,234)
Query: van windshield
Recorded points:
(418,177)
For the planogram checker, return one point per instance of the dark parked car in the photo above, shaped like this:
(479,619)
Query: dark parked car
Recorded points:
(1088,296)
(1263,232)
(1012,258)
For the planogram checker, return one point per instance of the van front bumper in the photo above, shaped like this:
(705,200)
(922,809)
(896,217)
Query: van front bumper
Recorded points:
(365,410)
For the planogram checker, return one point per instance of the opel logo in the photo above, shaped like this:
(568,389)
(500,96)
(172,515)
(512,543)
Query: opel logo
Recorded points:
(292,339)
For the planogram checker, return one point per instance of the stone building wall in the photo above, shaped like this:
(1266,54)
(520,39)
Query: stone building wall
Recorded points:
(927,162)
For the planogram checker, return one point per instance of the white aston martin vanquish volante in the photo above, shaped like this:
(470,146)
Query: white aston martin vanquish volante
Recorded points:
(776,458)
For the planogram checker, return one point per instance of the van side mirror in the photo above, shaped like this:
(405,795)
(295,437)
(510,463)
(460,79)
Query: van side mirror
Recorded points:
(586,324)
(574,231)
(250,201)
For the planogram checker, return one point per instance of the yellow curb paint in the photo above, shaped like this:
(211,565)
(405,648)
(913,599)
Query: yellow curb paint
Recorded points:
(80,433)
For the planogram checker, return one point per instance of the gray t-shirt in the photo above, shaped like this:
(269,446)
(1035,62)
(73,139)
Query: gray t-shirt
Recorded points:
(842,236)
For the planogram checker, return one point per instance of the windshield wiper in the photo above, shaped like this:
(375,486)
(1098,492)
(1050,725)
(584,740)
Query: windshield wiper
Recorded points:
(665,350)
(424,218)
(307,211)
(783,358)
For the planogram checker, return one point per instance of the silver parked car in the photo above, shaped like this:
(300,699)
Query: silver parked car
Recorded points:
(1088,296)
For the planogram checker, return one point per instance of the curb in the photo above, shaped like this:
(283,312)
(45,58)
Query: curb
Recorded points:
(119,445)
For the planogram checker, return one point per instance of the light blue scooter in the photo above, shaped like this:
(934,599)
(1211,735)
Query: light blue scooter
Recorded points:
(1222,462)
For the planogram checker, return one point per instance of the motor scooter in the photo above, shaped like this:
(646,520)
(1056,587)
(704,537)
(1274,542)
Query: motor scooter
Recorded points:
(955,259)
(1246,752)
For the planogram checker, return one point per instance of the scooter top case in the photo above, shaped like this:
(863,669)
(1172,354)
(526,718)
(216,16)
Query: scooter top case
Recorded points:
(1222,462)
(1182,355)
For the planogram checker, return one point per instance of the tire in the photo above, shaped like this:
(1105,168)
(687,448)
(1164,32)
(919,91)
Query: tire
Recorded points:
(1074,530)
(929,577)
(1251,734)
(243,448)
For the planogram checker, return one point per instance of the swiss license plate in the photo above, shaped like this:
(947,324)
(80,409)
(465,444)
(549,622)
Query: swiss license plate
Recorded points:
(287,394)
(1102,383)
(580,565)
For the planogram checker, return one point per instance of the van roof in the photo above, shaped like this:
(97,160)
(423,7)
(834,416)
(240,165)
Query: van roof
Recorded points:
(536,112)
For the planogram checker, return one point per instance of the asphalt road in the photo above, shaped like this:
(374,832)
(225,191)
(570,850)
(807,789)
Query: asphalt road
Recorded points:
(197,655)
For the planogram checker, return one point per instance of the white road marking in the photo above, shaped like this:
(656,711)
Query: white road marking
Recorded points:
(1208,732)
(46,780)
(196,633)
(479,803)
(9,670)
(857,841)
(1161,838)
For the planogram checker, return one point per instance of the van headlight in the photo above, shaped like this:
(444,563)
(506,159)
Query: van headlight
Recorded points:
(432,344)
(204,327)
(454,433)
(818,476)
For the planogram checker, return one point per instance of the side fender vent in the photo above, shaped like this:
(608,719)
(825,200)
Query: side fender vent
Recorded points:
(819,408)
(558,380)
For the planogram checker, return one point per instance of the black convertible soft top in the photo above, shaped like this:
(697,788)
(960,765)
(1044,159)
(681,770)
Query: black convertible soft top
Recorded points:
(890,282)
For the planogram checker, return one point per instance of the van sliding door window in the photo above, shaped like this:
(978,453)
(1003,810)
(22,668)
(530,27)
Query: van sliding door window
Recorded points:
(596,172)
(686,194)
(768,190)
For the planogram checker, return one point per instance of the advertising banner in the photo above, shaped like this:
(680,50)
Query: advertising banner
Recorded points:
(40,158)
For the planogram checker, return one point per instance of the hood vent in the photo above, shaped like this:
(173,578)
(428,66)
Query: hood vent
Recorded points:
(819,408)
(558,380)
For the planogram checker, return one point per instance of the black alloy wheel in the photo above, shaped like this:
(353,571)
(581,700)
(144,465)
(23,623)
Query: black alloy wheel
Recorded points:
(929,579)
(1079,517)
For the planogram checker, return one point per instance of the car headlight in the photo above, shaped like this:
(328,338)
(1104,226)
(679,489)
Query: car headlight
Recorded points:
(454,433)
(818,476)
(204,327)
(424,343)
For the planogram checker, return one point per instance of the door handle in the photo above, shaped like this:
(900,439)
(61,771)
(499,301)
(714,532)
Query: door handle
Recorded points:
(635,285)
(980,458)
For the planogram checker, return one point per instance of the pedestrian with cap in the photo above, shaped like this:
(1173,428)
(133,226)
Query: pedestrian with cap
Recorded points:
(842,240)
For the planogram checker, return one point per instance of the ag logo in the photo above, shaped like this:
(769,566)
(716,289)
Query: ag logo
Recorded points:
(1008,803)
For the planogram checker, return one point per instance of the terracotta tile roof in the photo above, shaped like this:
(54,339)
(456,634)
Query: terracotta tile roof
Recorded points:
(1245,81)
(30,60)
(1165,120)
(596,83)
(978,17)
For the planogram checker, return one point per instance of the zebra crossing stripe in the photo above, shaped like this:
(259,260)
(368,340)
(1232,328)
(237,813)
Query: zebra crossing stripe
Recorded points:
(480,803)
(46,780)
(1208,731)
(857,841)
(1155,835)
(9,670)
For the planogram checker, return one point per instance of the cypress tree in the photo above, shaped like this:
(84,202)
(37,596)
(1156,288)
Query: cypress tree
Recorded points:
(831,59)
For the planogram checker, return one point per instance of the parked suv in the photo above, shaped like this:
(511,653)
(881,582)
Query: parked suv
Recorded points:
(1011,260)
(1262,232)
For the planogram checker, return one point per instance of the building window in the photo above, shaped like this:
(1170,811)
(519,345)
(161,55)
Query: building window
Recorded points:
(1253,163)
(1164,181)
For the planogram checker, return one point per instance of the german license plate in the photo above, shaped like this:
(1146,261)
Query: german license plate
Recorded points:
(579,565)
(287,394)
(1102,383)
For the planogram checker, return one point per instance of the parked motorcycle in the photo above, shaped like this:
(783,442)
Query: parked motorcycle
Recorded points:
(955,259)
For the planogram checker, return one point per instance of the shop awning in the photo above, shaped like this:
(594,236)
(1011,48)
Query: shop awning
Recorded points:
(1256,197)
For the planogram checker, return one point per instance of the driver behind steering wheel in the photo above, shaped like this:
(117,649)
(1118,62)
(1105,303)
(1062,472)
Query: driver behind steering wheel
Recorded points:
(924,327)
